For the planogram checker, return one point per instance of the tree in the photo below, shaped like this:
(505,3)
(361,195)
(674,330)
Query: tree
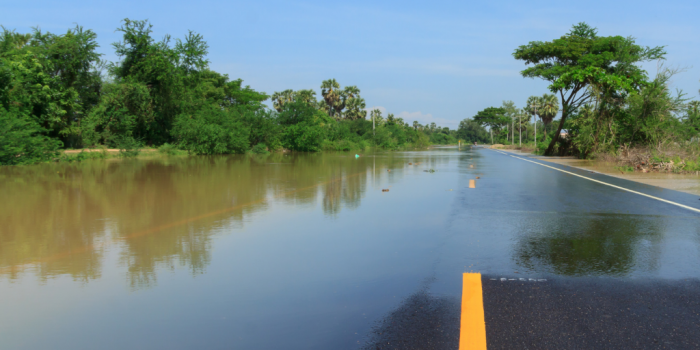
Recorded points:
(376,116)
(330,92)
(582,58)
(549,107)
(692,116)
(356,109)
(494,117)
(510,112)
(471,131)
(279,99)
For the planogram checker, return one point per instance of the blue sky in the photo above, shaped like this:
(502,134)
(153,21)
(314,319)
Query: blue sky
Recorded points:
(427,61)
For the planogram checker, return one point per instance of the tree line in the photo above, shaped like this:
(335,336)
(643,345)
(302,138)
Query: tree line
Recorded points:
(57,92)
(607,104)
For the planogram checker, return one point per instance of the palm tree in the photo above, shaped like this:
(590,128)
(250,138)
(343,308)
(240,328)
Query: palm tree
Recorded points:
(352,91)
(549,109)
(415,125)
(356,109)
(307,95)
(279,99)
(376,116)
(330,92)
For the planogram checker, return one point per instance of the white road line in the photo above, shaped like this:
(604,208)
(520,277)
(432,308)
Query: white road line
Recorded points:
(607,184)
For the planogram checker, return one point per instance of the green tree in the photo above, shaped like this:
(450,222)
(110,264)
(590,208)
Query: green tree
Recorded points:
(472,131)
(494,117)
(549,107)
(580,59)
(692,116)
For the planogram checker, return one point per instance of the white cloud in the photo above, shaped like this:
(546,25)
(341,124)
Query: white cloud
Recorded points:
(380,108)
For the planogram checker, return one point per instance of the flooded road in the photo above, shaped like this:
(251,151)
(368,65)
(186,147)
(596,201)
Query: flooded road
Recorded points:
(305,251)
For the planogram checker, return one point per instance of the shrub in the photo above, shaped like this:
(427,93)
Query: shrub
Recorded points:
(22,140)
(211,131)
(303,137)
(260,149)
(128,146)
(168,149)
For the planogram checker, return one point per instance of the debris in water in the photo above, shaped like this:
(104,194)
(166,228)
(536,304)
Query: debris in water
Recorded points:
(429,171)
(410,163)
(385,190)
(478,177)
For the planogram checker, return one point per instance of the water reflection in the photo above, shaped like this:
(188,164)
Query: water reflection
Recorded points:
(58,219)
(603,244)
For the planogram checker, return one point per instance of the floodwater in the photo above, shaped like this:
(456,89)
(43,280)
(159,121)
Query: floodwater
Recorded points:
(300,251)
(688,183)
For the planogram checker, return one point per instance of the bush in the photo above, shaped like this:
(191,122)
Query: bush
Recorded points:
(128,146)
(122,110)
(83,156)
(211,131)
(260,149)
(22,140)
(303,137)
(168,149)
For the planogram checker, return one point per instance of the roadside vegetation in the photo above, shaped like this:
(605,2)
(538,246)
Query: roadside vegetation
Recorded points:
(608,106)
(57,93)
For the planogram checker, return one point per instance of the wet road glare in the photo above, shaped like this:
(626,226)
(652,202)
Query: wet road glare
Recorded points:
(305,251)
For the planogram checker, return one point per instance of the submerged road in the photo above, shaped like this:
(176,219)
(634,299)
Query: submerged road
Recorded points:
(595,262)
(600,263)
(270,253)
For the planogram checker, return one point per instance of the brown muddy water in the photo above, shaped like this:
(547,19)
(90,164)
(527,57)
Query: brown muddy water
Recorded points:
(301,251)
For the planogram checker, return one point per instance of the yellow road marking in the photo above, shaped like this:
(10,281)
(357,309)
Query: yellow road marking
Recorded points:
(607,184)
(472,335)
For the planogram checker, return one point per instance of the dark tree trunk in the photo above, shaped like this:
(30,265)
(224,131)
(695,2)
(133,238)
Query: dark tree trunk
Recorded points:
(550,148)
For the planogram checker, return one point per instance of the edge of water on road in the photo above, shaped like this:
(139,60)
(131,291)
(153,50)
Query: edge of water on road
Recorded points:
(678,182)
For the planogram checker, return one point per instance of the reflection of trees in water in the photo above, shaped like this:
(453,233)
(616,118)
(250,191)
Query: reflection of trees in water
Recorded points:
(611,245)
(163,211)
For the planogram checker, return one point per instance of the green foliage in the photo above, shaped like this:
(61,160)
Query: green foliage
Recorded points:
(260,149)
(128,146)
(581,59)
(23,141)
(125,110)
(211,131)
(471,131)
(163,93)
(304,137)
(168,149)
(83,155)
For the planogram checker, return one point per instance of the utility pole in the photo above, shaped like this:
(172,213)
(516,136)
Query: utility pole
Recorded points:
(520,129)
(491,135)
(535,105)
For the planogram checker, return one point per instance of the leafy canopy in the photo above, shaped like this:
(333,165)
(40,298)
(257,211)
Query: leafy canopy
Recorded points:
(581,59)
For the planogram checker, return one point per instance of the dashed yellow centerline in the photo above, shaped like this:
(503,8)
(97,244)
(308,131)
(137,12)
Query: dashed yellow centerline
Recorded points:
(472,335)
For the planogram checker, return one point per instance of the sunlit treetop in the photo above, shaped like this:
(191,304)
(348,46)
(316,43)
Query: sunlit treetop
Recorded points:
(581,57)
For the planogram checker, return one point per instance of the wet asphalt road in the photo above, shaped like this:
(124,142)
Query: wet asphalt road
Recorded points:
(602,268)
